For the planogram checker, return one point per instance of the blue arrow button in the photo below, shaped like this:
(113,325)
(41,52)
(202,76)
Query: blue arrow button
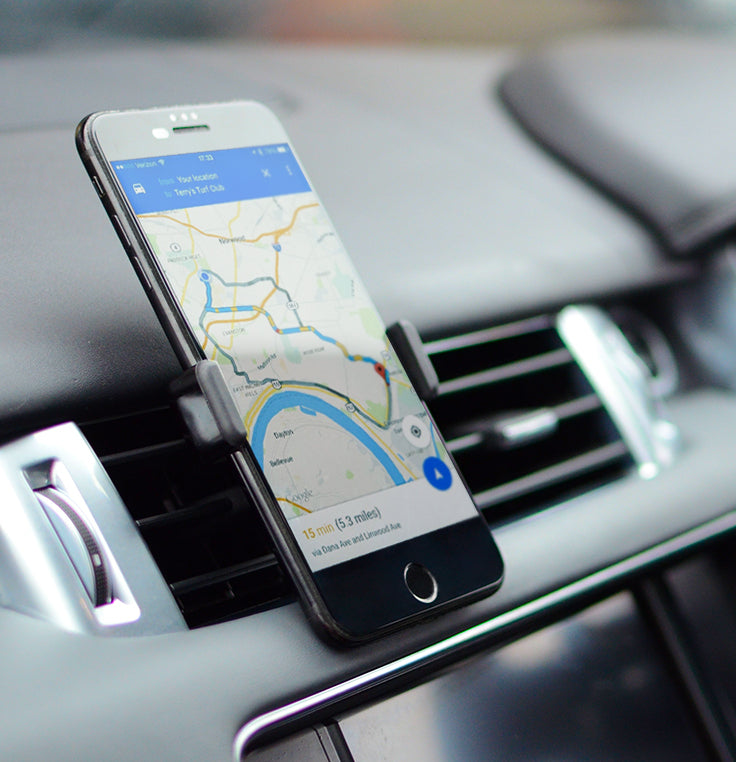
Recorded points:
(437,473)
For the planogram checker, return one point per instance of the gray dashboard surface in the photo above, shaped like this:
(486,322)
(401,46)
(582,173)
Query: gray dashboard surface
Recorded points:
(647,118)
(426,177)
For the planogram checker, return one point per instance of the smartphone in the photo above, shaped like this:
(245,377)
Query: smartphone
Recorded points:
(243,266)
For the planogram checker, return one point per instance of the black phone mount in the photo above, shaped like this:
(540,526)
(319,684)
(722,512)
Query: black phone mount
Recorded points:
(208,410)
(211,417)
(409,347)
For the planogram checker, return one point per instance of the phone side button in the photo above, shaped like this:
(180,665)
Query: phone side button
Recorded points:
(420,582)
(141,272)
(98,187)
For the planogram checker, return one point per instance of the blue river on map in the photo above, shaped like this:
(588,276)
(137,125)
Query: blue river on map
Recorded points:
(311,406)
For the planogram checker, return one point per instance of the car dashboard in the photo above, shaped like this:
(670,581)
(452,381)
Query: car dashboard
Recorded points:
(585,386)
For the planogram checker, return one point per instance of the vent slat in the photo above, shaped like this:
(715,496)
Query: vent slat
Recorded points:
(507,372)
(207,509)
(603,456)
(578,406)
(487,335)
(459,444)
(562,412)
(230,573)
(148,451)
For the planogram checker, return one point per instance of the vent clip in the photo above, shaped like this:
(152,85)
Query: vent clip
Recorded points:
(208,410)
(408,345)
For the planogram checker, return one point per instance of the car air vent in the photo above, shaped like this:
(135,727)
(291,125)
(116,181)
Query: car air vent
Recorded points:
(199,524)
(523,422)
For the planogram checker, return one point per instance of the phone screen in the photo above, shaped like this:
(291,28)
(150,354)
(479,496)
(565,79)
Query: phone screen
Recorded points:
(345,444)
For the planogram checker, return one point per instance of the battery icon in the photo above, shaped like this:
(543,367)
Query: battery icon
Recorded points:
(281,149)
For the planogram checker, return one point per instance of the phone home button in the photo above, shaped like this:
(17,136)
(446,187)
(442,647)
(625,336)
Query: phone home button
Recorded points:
(420,582)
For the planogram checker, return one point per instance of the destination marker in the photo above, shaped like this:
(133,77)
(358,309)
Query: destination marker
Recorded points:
(381,370)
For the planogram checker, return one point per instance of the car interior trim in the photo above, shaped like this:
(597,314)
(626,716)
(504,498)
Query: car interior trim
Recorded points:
(324,699)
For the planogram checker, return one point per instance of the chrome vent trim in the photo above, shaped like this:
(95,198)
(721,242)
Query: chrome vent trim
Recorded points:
(624,383)
(520,417)
(70,553)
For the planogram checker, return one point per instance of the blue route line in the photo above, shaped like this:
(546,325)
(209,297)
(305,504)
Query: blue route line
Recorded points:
(312,405)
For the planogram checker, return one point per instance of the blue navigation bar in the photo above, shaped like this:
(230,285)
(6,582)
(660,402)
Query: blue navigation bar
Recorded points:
(164,183)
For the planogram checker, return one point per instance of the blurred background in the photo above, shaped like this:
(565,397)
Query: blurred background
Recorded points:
(31,24)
